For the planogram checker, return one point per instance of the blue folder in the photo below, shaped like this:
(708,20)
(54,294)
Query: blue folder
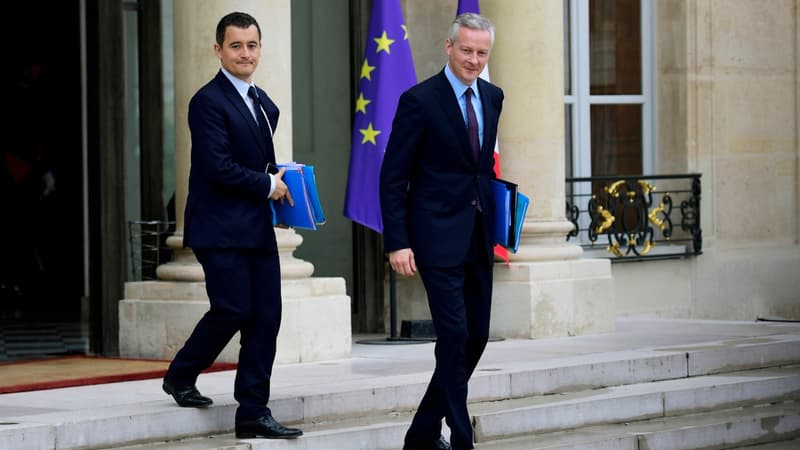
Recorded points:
(510,207)
(522,208)
(307,210)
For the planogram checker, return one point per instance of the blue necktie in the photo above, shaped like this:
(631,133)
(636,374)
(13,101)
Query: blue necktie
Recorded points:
(472,126)
(262,121)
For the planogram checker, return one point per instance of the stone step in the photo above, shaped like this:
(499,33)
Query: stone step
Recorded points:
(592,371)
(384,431)
(711,430)
(221,442)
(605,418)
(590,375)
(495,420)
(793,444)
(725,429)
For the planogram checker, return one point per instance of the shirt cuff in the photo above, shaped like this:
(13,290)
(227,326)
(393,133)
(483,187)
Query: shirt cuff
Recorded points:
(271,184)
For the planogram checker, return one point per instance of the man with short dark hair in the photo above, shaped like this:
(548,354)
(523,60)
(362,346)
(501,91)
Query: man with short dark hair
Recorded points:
(228,224)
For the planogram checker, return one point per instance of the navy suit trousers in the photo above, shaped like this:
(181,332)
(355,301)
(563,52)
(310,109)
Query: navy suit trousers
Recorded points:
(244,290)
(460,302)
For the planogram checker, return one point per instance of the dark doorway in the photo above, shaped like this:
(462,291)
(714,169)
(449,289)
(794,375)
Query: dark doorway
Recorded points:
(41,175)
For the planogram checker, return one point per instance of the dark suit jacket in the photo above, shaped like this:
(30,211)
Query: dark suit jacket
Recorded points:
(429,178)
(228,187)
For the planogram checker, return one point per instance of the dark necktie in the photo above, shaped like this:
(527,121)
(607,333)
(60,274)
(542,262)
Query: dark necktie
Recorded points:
(262,121)
(472,126)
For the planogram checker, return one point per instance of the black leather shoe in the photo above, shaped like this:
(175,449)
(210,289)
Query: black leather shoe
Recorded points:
(442,444)
(186,396)
(265,427)
(439,444)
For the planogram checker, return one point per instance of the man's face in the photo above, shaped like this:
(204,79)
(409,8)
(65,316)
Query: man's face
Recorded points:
(240,51)
(468,55)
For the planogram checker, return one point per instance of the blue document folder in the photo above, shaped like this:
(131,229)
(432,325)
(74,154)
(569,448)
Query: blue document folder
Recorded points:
(510,207)
(307,210)
(522,208)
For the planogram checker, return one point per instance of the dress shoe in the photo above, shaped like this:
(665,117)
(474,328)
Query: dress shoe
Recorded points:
(186,396)
(439,444)
(265,427)
(442,444)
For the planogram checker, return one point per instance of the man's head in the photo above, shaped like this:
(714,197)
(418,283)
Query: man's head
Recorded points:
(238,45)
(468,46)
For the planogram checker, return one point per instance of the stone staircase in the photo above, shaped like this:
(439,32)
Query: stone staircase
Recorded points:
(739,393)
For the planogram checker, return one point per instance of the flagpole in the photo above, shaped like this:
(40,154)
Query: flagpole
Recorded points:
(392,304)
(393,338)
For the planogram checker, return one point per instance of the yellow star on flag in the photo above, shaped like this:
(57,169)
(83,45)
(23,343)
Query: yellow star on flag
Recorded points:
(383,43)
(369,134)
(361,103)
(405,30)
(366,70)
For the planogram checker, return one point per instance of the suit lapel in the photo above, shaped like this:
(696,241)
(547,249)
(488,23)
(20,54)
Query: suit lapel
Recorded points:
(236,100)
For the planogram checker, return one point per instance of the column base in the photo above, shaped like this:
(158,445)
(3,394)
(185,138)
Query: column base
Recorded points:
(553,298)
(184,265)
(533,299)
(156,317)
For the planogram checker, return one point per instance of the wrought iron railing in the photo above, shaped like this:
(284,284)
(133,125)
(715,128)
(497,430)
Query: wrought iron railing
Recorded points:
(148,247)
(636,217)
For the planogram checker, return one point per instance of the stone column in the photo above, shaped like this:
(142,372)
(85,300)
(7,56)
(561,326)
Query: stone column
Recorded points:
(156,317)
(797,114)
(547,290)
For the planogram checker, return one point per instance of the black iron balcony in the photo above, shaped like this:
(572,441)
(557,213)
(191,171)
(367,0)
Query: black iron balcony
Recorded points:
(636,217)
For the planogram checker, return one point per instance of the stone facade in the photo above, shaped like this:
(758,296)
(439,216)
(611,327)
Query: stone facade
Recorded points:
(727,98)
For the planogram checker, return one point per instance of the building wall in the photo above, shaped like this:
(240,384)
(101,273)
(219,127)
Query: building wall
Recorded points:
(727,84)
(428,22)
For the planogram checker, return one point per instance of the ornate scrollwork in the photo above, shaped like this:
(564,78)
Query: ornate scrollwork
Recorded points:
(664,223)
(608,219)
(628,204)
(690,216)
(573,213)
(634,216)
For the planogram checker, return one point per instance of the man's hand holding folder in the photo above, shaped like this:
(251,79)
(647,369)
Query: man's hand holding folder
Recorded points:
(282,192)
(302,208)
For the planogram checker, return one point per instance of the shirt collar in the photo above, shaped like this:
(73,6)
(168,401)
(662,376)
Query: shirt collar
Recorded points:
(241,86)
(458,87)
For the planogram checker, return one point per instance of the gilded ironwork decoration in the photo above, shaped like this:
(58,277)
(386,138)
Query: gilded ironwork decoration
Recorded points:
(635,218)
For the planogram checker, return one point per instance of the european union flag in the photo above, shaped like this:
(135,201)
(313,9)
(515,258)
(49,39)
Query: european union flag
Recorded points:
(387,72)
(468,6)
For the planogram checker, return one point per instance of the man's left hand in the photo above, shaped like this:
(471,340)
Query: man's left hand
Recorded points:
(281,191)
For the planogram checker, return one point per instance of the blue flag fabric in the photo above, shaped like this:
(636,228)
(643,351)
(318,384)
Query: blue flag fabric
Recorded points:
(468,6)
(387,71)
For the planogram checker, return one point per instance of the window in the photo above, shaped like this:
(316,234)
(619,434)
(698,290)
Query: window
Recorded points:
(608,98)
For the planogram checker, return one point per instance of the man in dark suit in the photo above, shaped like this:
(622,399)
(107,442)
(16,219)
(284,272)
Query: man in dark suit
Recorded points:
(437,210)
(228,224)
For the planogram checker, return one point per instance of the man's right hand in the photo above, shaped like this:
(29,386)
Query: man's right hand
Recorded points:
(281,191)
(402,262)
